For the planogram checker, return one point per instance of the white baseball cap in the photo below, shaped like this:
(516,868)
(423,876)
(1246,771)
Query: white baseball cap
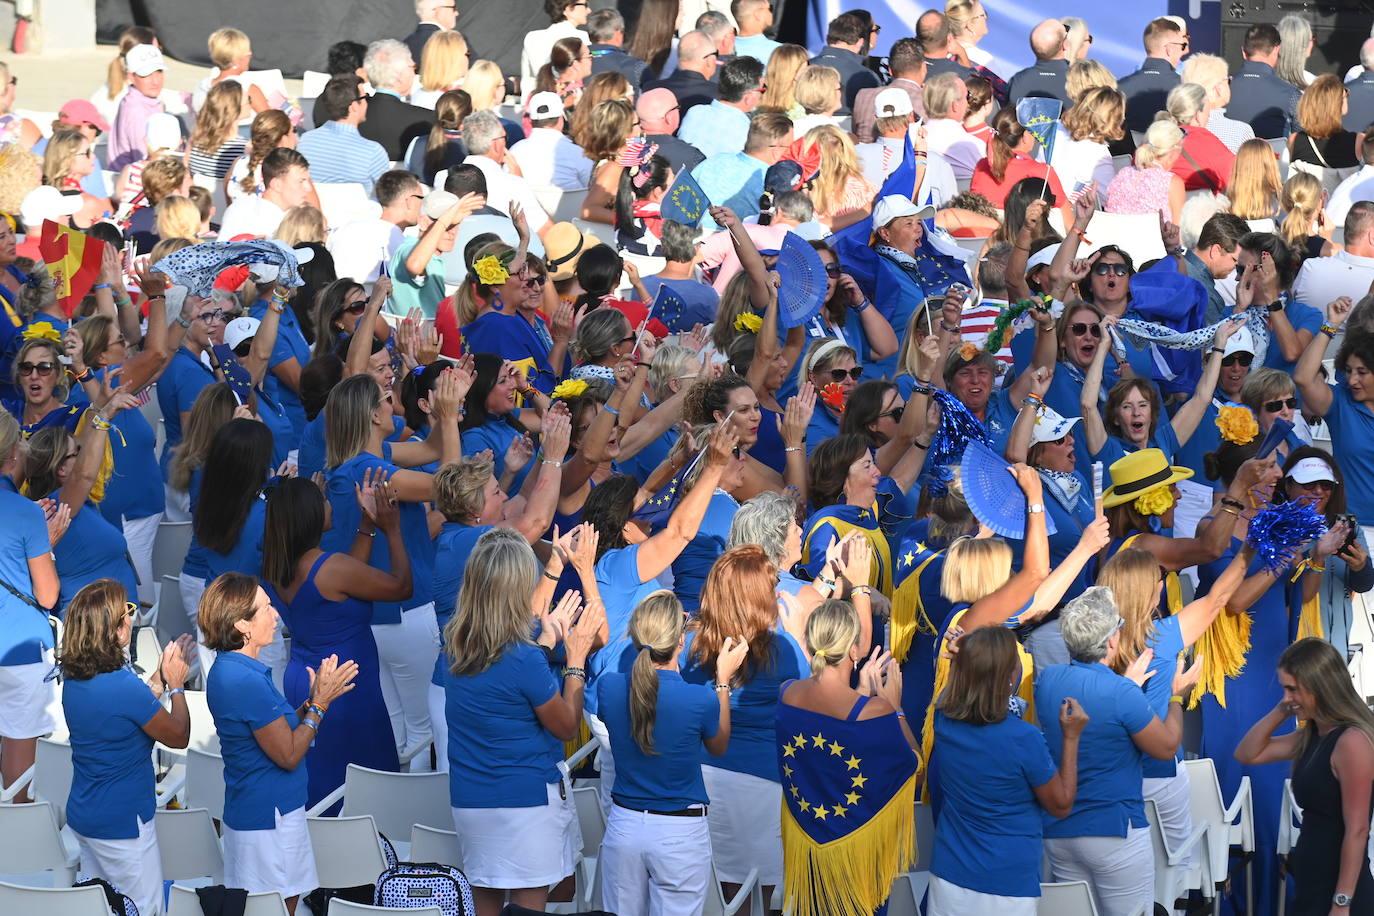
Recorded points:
(1042,258)
(1242,341)
(545,105)
(239,330)
(437,203)
(163,131)
(46,202)
(892,102)
(1049,426)
(1313,469)
(895,206)
(144,60)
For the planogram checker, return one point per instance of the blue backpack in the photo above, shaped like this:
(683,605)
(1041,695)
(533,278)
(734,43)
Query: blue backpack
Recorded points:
(412,885)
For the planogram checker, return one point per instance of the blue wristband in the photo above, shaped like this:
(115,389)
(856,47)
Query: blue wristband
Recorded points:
(862,306)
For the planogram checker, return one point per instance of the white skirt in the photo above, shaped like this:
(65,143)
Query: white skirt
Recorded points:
(132,865)
(947,899)
(746,825)
(509,848)
(280,859)
(27,697)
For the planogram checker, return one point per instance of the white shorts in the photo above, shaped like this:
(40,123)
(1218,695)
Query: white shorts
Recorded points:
(132,865)
(655,864)
(27,697)
(280,859)
(509,848)
(948,899)
(746,825)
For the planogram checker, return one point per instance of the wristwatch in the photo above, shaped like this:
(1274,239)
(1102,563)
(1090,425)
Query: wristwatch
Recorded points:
(1035,508)
(1276,306)
(1341,900)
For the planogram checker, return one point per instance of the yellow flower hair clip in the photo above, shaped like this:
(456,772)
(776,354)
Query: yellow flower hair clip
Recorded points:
(42,330)
(968,350)
(1155,502)
(569,388)
(1237,424)
(748,321)
(490,271)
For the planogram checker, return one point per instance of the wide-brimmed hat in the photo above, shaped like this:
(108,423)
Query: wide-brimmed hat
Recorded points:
(1139,473)
(563,246)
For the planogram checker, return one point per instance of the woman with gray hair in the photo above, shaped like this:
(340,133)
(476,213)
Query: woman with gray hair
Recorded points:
(1105,839)
(1295,46)
(769,521)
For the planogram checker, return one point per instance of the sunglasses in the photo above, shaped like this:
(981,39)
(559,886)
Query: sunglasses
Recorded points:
(536,281)
(72,455)
(42,370)
(353,308)
(832,270)
(630,339)
(216,315)
(1326,485)
(856,373)
(1102,270)
(1080,328)
(1245,359)
(895,413)
(1276,406)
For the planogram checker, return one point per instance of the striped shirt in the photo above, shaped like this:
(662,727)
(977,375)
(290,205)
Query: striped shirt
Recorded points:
(976,323)
(339,154)
(214,165)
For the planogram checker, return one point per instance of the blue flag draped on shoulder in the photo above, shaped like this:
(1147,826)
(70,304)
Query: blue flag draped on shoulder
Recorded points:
(848,819)
(908,607)
(1039,116)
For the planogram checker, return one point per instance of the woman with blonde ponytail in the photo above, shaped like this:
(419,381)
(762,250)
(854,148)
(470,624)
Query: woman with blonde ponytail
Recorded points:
(656,854)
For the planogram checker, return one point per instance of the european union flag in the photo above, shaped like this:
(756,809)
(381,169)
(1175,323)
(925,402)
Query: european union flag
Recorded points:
(668,307)
(240,382)
(848,820)
(658,509)
(803,281)
(1039,115)
(909,613)
(685,201)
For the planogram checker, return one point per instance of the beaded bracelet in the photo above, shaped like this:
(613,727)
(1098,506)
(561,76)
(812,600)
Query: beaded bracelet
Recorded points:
(578,673)
(101,423)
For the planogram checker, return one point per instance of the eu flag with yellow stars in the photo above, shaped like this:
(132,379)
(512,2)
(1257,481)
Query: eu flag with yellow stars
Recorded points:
(685,201)
(848,817)
(909,613)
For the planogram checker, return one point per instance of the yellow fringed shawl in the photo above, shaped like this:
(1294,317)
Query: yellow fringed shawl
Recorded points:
(909,613)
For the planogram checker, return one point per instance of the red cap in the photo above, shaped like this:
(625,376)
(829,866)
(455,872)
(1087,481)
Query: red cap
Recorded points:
(80,111)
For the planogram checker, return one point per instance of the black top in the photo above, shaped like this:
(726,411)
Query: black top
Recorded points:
(415,41)
(853,74)
(681,155)
(613,57)
(1335,152)
(394,123)
(1316,860)
(1042,79)
(690,88)
(1146,91)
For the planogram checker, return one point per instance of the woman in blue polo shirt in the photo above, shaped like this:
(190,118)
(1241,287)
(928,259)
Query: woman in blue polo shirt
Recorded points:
(26,638)
(508,718)
(1105,840)
(115,720)
(490,418)
(290,353)
(263,741)
(185,376)
(358,419)
(657,852)
(997,782)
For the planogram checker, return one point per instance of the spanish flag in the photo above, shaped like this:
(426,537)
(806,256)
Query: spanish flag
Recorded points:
(73,260)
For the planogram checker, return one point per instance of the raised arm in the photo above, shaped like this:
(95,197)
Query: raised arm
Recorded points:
(286,746)
(1018,591)
(1094,431)
(1259,744)
(92,441)
(1188,416)
(265,340)
(1047,597)
(445,444)
(360,344)
(1043,356)
(1160,739)
(659,551)
(1316,393)
(1198,615)
(542,498)
(417,262)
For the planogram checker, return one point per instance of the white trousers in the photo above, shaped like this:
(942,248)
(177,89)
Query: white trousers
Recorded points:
(1172,799)
(654,864)
(1119,870)
(132,865)
(604,761)
(746,825)
(948,899)
(407,651)
(438,721)
(139,534)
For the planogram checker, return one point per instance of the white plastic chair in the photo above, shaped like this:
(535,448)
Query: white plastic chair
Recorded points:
(1174,876)
(750,892)
(1290,825)
(169,618)
(169,548)
(312,84)
(30,842)
(339,907)
(1228,827)
(569,206)
(188,845)
(184,902)
(147,647)
(590,817)
(205,782)
(909,889)
(549,197)
(64,901)
(396,801)
(52,776)
(430,844)
(1066,898)
(347,851)
(973,245)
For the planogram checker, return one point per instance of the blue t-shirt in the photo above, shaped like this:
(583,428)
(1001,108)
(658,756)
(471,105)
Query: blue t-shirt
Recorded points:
(753,707)
(452,545)
(1167,643)
(989,835)
(497,435)
(177,389)
(823,426)
(512,337)
(414,532)
(24,630)
(1352,438)
(499,754)
(113,786)
(91,549)
(1302,317)
(1116,448)
(670,780)
(284,435)
(692,565)
(242,700)
(246,554)
(1109,800)
(135,487)
(311,455)
(291,344)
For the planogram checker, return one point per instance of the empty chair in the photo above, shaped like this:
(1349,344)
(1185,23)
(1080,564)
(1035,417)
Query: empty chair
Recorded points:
(169,548)
(64,901)
(549,197)
(30,843)
(1066,898)
(590,818)
(183,901)
(52,775)
(1228,827)
(170,619)
(347,851)
(147,650)
(205,782)
(396,801)
(750,891)
(430,844)
(188,845)
(339,907)
(569,206)
(1175,874)
(909,890)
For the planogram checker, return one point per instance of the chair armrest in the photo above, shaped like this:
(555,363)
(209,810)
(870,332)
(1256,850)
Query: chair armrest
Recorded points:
(8,794)
(415,751)
(750,891)
(1242,796)
(581,754)
(324,804)
(168,790)
(1185,850)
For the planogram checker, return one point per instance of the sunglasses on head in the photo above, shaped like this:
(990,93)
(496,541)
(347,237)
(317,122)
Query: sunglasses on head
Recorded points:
(832,270)
(1078,329)
(1103,269)
(1276,406)
(1245,359)
(43,369)
(856,373)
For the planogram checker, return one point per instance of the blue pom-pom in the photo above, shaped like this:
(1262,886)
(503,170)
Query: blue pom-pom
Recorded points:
(1277,532)
(957,429)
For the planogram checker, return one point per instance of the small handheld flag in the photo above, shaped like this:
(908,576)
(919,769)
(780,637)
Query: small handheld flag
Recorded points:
(73,260)
(685,201)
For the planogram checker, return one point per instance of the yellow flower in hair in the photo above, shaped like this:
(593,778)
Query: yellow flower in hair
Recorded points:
(491,271)
(968,351)
(569,388)
(1155,502)
(748,321)
(1237,424)
(42,330)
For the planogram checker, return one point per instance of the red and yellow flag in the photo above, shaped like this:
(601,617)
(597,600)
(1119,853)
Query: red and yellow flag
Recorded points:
(73,260)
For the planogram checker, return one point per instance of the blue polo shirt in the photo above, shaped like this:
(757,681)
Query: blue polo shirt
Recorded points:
(246,554)
(694,563)
(617,576)
(512,337)
(823,426)
(291,344)
(989,835)
(135,487)
(1167,643)
(113,787)
(497,435)
(499,754)
(452,545)
(1109,798)
(687,714)
(1302,317)
(177,389)
(1116,448)
(242,700)
(343,501)
(24,630)
(91,549)
(1352,438)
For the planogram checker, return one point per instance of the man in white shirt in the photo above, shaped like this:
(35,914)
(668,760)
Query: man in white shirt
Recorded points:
(486,141)
(895,119)
(286,177)
(946,102)
(359,247)
(546,157)
(723,125)
(568,17)
(1346,273)
(1359,186)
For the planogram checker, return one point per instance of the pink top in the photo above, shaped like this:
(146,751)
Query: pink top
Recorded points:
(1137,190)
(857,195)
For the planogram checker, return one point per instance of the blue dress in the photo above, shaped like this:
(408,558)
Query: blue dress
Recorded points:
(359,728)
